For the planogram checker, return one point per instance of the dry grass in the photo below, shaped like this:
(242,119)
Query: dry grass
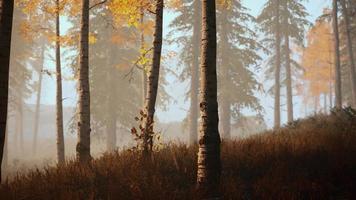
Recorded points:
(311,159)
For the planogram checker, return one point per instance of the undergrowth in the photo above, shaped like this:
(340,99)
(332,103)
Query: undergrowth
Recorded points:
(314,158)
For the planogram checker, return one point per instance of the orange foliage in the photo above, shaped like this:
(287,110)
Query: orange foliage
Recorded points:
(317,61)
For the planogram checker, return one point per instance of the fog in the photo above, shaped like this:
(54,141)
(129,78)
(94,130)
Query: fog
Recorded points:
(117,89)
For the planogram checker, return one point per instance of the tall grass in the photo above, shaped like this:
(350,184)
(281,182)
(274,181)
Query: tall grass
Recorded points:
(313,158)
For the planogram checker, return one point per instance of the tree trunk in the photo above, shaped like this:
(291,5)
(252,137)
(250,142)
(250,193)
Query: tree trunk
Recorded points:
(20,119)
(331,77)
(277,96)
(224,69)
(5,161)
(153,78)
(325,103)
(6,15)
(38,101)
(225,118)
(288,74)
(144,74)
(338,95)
(59,96)
(316,104)
(83,146)
(350,51)
(111,122)
(194,86)
(111,133)
(209,164)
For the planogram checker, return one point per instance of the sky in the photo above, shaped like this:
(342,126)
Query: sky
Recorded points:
(177,110)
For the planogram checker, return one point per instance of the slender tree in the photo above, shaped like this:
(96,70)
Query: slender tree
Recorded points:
(38,98)
(349,50)
(209,164)
(338,95)
(6,15)
(153,77)
(317,63)
(277,93)
(144,73)
(83,146)
(288,67)
(194,85)
(110,58)
(237,60)
(270,20)
(59,96)
(186,28)
(294,23)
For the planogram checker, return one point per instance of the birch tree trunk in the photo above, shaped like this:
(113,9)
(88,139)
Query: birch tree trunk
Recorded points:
(59,96)
(209,166)
(38,101)
(277,95)
(83,146)
(338,95)
(6,15)
(194,86)
(350,51)
(153,77)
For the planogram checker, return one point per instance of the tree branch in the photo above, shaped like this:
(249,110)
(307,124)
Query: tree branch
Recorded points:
(97,4)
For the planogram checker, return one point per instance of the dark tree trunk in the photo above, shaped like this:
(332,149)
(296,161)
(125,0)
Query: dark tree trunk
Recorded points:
(277,85)
(338,95)
(6,15)
(194,86)
(83,146)
(59,96)
(38,101)
(153,77)
(209,164)
(350,51)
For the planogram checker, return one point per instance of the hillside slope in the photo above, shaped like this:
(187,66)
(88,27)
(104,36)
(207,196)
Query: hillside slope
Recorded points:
(313,158)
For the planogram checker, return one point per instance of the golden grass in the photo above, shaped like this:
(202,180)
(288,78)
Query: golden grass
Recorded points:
(313,158)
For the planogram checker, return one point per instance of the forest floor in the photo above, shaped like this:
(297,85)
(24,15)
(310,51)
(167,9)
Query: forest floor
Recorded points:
(313,158)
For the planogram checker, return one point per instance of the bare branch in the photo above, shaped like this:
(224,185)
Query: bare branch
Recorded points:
(97,4)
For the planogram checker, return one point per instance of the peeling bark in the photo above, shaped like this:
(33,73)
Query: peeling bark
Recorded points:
(83,146)
(153,77)
(209,164)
